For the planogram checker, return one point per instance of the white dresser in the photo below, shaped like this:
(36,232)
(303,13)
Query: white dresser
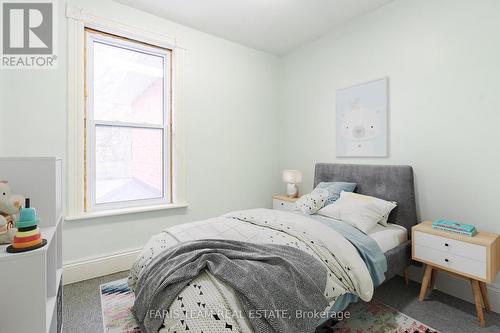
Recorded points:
(30,282)
(476,259)
(283,202)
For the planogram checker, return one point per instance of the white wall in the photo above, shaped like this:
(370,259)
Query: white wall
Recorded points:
(230,111)
(443,62)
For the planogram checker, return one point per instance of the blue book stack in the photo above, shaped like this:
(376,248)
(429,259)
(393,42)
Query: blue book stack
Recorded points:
(449,225)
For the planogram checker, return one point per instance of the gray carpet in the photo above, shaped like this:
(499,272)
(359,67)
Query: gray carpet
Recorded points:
(440,311)
(82,307)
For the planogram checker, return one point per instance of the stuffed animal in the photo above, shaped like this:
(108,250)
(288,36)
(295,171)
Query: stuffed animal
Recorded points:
(9,206)
(6,231)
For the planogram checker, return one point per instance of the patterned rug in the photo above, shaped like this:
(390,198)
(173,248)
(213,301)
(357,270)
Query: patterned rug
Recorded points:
(116,301)
(372,317)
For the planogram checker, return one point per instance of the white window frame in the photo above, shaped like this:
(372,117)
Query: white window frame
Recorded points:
(92,36)
(78,20)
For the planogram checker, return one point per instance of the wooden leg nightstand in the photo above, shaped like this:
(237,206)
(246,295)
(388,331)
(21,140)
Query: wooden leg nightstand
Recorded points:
(476,259)
(478,290)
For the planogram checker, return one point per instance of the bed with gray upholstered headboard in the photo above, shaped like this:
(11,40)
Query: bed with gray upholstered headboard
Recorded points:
(388,182)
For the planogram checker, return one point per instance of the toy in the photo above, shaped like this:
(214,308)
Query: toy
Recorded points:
(6,232)
(9,206)
(28,236)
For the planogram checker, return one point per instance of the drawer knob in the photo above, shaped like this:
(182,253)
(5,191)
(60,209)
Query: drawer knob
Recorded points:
(446,260)
(282,203)
(446,244)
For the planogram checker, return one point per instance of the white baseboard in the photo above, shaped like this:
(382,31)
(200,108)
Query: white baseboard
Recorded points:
(91,268)
(457,287)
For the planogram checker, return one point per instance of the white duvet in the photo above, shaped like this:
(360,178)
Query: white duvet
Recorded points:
(205,294)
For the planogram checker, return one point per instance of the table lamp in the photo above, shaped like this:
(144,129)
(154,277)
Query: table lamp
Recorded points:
(292,178)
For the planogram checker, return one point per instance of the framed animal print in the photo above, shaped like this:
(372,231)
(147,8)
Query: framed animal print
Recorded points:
(361,119)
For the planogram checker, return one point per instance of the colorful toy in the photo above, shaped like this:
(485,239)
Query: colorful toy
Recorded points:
(9,206)
(28,236)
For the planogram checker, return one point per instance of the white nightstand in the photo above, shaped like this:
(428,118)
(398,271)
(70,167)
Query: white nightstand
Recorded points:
(283,202)
(476,259)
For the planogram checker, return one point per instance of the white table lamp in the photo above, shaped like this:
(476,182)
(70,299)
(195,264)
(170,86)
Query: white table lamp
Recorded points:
(292,178)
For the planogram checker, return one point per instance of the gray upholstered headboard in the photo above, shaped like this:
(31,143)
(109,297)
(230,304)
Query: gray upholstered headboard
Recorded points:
(388,182)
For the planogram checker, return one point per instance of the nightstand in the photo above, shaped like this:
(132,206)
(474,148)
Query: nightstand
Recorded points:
(476,259)
(283,202)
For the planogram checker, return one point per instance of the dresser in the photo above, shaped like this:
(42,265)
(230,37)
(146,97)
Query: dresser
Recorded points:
(476,259)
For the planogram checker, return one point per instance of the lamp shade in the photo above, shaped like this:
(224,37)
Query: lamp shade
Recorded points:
(292,176)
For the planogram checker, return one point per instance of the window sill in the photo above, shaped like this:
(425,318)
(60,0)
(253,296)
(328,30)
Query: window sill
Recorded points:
(124,211)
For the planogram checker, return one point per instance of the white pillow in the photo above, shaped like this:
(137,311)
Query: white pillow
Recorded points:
(384,219)
(312,202)
(361,211)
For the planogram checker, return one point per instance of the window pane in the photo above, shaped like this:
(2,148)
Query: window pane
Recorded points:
(128,85)
(128,164)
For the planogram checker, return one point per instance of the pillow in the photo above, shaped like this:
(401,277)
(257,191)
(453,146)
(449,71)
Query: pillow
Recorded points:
(312,202)
(383,220)
(361,211)
(334,189)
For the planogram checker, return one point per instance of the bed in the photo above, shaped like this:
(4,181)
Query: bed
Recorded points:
(355,263)
(388,182)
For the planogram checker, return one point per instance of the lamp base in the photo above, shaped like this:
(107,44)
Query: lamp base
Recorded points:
(292,190)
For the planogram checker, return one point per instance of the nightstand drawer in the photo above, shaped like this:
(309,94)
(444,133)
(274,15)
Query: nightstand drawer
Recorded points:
(283,205)
(450,261)
(447,245)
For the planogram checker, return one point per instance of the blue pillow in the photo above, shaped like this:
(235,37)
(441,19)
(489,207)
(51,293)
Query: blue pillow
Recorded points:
(334,190)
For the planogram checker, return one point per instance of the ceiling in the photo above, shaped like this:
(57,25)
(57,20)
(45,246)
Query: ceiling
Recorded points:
(275,26)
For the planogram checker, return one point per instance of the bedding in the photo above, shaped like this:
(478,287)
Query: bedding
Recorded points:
(276,277)
(388,237)
(361,211)
(379,239)
(384,220)
(349,273)
(367,247)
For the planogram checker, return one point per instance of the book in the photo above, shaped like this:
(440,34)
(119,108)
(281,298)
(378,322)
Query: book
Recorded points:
(453,226)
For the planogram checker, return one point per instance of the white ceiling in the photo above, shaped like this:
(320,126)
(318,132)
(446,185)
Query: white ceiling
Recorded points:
(275,26)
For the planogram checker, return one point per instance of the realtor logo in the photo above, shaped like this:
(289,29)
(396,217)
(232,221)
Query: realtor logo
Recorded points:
(28,31)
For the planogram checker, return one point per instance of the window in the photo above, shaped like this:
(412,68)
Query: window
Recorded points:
(128,123)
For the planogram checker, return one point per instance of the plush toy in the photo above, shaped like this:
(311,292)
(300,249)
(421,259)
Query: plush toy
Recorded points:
(9,206)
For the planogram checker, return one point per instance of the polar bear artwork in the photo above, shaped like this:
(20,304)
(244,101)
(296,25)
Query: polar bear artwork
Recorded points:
(9,206)
(362,120)
(360,126)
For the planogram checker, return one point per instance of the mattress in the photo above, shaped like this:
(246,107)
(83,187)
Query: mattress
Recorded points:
(388,237)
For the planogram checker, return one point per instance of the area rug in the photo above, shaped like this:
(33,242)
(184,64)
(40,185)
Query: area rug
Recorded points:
(116,301)
(375,317)
(372,317)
